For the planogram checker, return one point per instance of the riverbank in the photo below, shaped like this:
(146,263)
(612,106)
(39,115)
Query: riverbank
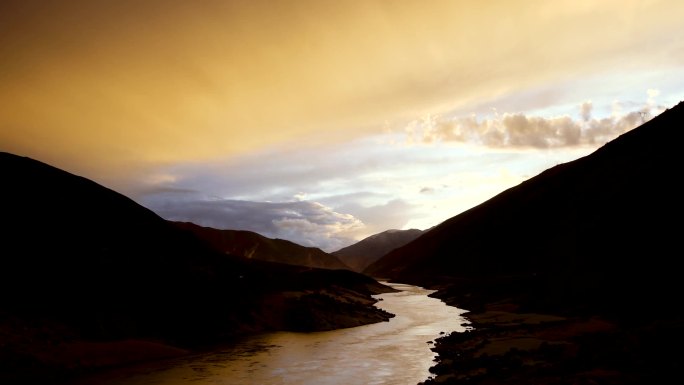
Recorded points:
(383,353)
(509,346)
(49,352)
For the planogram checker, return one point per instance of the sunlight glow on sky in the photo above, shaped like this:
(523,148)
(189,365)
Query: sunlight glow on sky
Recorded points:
(324,122)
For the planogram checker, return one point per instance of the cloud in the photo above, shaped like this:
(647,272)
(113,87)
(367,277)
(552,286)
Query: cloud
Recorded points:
(518,130)
(110,84)
(280,174)
(394,214)
(652,93)
(367,186)
(585,111)
(304,222)
(602,130)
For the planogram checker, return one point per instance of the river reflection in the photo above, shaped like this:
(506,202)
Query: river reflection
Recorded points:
(395,352)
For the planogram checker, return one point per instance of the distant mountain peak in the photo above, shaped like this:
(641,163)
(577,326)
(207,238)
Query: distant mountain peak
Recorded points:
(361,254)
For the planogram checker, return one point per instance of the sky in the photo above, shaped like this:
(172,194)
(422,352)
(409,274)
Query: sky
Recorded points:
(324,122)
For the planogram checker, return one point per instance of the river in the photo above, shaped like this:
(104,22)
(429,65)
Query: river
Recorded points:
(386,353)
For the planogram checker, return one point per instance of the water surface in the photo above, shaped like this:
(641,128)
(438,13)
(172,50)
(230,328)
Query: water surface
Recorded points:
(388,353)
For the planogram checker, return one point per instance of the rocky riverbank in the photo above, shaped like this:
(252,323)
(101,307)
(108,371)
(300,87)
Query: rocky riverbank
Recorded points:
(510,346)
(48,352)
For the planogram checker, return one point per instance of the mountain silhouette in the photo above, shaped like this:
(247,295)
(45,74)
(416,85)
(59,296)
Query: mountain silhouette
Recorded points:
(251,245)
(360,255)
(594,239)
(89,278)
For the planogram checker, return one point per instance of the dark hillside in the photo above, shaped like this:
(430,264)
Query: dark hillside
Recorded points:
(572,277)
(602,228)
(89,278)
(368,250)
(251,245)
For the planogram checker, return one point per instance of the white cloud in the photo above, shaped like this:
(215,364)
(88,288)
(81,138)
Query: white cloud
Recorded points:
(652,94)
(585,110)
(518,130)
(394,214)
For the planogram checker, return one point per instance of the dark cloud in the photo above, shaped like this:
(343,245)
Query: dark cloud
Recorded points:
(304,222)
(427,190)
(354,186)
(163,190)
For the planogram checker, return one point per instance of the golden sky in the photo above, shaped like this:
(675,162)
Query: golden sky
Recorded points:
(159,81)
(113,89)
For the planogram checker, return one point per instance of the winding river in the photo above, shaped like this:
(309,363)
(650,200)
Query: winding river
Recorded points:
(395,352)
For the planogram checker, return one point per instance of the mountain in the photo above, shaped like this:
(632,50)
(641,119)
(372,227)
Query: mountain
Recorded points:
(89,278)
(368,250)
(249,244)
(607,216)
(591,244)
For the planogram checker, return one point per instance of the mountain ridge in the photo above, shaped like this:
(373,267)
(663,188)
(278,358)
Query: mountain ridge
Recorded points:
(368,250)
(249,244)
(555,180)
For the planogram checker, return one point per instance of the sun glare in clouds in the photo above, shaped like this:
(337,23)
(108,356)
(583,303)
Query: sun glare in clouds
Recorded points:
(388,114)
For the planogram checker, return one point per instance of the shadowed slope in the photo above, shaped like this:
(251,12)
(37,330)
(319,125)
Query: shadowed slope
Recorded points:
(571,276)
(89,278)
(604,221)
(368,250)
(249,244)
